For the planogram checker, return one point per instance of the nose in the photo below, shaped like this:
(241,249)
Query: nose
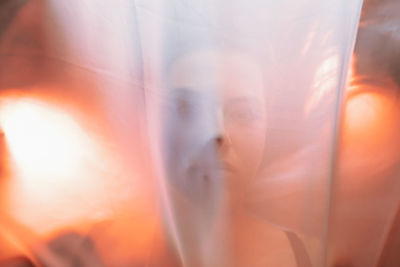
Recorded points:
(219,140)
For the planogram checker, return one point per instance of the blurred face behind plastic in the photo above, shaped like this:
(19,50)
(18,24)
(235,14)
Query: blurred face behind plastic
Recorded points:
(215,124)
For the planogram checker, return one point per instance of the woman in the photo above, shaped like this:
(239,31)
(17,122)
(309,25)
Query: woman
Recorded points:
(213,121)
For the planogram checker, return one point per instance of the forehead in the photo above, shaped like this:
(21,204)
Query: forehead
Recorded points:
(229,74)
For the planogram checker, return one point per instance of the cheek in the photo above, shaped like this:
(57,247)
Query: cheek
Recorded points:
(184,138)
(248,143)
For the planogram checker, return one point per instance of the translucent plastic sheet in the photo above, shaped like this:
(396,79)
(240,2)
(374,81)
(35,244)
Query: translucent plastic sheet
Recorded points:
(198,133)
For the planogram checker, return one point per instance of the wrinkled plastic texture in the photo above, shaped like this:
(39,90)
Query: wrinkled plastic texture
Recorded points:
(194,133)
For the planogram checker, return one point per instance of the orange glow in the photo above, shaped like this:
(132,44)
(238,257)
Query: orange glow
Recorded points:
(352,83)
(65,178)
(62,174)
(365,112)
(370,121)
(42,139)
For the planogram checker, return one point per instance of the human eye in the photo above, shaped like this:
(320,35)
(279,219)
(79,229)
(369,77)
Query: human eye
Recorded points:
(185,108)
(242,113)
(185,104)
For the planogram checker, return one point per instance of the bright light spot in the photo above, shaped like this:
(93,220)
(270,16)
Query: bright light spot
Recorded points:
(50,155)
(370,119)
(364,112)
(41,139)
(62,173)
(370,137)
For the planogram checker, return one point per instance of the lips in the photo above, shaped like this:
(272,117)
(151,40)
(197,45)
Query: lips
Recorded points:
(214,164)
(211,160)
(224,165)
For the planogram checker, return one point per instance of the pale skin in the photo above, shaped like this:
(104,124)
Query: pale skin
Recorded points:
(213,143)
(224,96)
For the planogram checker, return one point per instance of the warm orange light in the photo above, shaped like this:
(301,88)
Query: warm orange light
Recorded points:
(42,139)
(370,137)
(368,113)
(370,120)
(60,173)
(65,175)
(364,112)
(351,77)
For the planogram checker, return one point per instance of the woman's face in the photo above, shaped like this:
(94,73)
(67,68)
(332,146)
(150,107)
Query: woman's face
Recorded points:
(214,124)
